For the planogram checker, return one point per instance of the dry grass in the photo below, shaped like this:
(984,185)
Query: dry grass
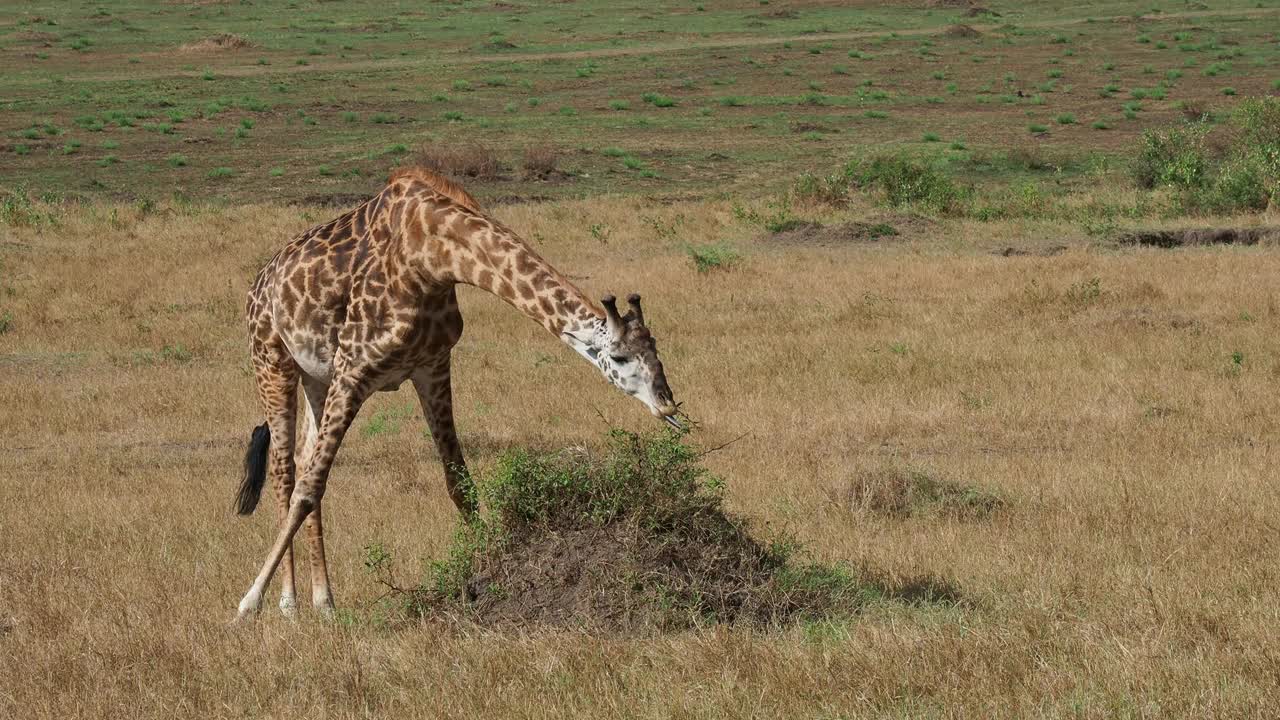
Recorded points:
(1126,422)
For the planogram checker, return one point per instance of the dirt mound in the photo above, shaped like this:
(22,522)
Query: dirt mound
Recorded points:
(1201,236)
(217,43)
(962,31)
(634,540)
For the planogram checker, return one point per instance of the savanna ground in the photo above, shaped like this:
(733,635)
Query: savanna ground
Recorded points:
(1119,401)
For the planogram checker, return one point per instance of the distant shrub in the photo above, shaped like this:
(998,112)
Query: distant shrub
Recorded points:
(1172,156)
(540,161)
(469,160)
(905,181)
(1242,175)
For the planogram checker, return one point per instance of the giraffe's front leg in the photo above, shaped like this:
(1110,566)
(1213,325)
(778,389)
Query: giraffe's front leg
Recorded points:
(343,402)
(434,392)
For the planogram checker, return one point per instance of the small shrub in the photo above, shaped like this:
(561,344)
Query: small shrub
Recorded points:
(832,189)
(658,100)
(540,161)
(1037,129)
(1100,125)
(930,137)
(219,173)
(177,160)
(469,160)
(619,105)
(1066,119)
(713,256)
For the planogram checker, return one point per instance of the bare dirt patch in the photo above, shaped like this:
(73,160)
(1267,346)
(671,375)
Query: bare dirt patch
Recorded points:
(1195,237)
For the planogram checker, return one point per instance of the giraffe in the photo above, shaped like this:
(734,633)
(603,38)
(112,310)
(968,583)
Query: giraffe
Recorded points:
(368,300)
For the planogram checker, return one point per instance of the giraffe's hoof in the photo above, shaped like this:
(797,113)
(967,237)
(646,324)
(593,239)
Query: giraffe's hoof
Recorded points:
(289,607)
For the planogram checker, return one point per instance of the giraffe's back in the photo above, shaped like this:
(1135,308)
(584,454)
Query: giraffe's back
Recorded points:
(306,297)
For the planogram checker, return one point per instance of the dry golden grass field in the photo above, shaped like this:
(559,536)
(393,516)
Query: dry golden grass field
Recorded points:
(882,247)
(1120,401)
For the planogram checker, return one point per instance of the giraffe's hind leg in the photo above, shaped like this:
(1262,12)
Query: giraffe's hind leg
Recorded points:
(321,595)
(343,401)
(277,380)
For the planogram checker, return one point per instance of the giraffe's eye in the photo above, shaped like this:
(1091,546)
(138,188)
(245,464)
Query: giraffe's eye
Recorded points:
(619,359)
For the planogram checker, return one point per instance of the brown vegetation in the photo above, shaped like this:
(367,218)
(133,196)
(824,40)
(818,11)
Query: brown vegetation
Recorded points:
(460,160)
(540,162)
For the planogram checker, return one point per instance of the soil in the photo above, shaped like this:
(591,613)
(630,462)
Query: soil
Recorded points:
(1191,237)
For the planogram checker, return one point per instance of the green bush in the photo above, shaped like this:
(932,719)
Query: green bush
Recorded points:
(1245,176)
(908,182)
(1172,156)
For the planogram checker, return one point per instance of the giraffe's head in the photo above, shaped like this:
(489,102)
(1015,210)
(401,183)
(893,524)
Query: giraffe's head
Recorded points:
(626,354)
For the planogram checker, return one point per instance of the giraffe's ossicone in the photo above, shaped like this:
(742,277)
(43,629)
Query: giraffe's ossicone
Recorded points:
(366,301)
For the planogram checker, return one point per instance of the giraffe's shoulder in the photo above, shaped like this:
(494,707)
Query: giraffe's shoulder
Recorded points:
(436,182)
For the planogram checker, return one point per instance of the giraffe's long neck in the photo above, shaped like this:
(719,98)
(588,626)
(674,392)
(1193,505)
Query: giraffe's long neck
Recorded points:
(495,259)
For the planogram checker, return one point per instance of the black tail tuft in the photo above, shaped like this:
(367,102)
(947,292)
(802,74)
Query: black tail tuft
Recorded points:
(255,470)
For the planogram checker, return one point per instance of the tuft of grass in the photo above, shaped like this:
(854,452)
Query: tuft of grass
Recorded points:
(1065,119)
(176,160)
(658,100)
(1036,128)
(619,105)
(221,173)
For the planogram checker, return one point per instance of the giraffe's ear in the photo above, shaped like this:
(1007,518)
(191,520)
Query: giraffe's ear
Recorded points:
(611,315)
(636,313)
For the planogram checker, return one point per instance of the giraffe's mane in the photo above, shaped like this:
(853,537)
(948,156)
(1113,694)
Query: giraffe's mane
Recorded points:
(437,182)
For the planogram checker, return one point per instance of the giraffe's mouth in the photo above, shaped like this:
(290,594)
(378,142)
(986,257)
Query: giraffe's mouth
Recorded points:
(673,421)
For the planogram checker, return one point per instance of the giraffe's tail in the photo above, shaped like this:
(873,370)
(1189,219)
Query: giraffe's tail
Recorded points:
(255,470)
